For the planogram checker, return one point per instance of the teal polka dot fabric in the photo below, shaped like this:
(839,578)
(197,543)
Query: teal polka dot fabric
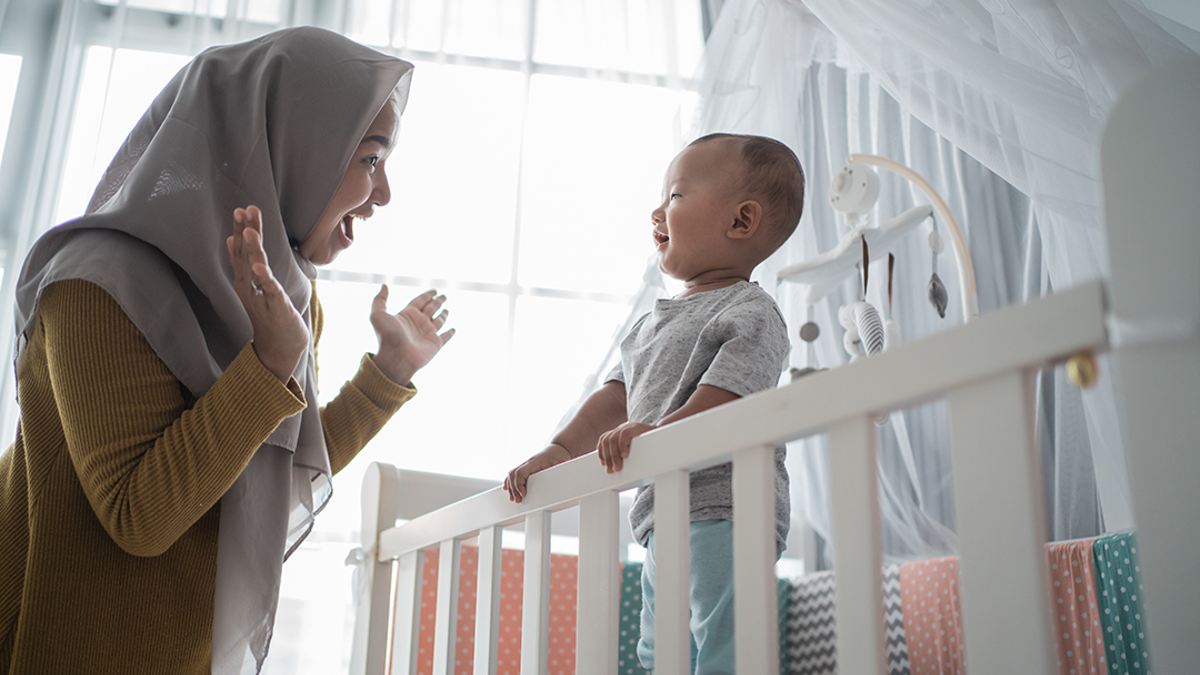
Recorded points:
(631,620)
(1118,578)
(783,595)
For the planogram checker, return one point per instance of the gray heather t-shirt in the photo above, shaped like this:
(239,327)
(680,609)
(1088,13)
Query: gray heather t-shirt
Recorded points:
(733,338)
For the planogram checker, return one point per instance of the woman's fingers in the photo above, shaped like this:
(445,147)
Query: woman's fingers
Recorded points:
(434,304)
(280,334)
(428,302)
(264,284)
(423,299)
(248,256)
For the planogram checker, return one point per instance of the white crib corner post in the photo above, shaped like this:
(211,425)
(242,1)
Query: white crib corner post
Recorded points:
(1001,527)
(445,647)
(754,598)
(672,553)
(535,611)
(1150,158)
(379,499)
(487,601)
(599,586)
(857,546)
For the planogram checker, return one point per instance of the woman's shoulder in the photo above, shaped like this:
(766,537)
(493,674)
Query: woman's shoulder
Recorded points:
(78,299)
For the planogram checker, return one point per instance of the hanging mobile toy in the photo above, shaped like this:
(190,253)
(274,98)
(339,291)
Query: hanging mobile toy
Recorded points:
(853,192)
(891,329)
(864,330)
(938,297)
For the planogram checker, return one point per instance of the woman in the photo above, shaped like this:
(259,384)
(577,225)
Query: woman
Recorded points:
(170,452)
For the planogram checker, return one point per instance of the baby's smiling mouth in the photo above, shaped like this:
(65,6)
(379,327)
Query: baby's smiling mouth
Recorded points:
(660,238)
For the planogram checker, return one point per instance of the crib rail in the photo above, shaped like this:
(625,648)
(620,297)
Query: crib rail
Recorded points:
(983,370)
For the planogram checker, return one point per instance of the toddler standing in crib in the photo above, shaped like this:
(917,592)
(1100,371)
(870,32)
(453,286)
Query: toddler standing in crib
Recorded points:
(729,201)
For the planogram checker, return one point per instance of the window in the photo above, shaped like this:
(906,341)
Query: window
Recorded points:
(10,72)
(530,156)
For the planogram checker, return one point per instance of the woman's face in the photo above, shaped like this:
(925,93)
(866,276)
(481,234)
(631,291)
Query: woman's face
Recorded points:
(364,187)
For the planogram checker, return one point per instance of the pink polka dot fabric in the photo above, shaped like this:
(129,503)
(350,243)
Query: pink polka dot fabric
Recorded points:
(932,616)
(563,584)
(1075,617)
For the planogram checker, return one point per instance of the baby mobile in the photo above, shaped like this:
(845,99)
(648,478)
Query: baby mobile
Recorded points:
(853,192)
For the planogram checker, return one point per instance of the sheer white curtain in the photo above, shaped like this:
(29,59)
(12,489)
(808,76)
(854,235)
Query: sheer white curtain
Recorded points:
(1024,86)
(999,104)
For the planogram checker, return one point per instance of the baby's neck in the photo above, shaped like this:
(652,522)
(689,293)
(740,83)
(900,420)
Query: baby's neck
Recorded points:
(700,285)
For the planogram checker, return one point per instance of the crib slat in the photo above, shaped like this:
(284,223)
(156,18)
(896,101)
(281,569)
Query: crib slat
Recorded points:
(487,601)
(535,613)
(857,546)
(446,619)
(598,606)
(672,555)
(1001,527)
(408,613)
(756,616)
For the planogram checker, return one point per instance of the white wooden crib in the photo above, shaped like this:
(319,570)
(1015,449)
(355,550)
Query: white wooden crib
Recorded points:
(983,371)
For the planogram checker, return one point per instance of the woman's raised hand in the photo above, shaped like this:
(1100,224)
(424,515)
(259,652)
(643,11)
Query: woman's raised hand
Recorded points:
(410,338)
(280,335)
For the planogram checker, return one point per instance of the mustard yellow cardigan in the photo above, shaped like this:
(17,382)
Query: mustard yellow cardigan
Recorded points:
(109,497)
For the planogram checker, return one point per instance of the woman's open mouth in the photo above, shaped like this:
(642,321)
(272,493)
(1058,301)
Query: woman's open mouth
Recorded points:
(348,226)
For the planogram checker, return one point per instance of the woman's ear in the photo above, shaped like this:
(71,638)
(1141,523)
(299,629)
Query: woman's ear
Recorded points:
(747,221)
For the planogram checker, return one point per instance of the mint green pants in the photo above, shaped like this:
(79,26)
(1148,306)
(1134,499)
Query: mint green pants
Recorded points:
(711,599)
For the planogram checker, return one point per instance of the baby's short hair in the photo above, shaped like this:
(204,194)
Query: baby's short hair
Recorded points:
(774,175)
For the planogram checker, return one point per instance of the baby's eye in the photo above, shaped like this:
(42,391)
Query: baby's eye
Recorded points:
(675,195)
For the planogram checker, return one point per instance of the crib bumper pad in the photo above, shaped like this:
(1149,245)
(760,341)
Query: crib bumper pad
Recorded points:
(1118,578)
(1073,605)
(1095,591)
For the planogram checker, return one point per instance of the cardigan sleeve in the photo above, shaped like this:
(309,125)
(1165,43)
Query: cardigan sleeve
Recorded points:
(150,464)
(361,408)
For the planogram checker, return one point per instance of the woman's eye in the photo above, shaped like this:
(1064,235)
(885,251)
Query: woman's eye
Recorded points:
(372,160)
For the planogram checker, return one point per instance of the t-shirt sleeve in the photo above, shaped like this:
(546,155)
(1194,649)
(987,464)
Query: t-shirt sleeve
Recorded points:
(617,373)
(753,348)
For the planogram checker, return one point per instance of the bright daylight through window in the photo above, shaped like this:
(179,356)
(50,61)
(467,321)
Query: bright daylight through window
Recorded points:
(530,156)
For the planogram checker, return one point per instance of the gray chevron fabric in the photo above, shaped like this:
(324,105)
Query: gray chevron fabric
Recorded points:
(811,638)
(893,618)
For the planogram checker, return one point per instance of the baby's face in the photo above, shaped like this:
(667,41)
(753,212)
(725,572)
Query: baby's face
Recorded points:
(699,201)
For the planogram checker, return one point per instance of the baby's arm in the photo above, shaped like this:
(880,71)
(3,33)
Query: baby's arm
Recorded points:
(614,445)
(603,410)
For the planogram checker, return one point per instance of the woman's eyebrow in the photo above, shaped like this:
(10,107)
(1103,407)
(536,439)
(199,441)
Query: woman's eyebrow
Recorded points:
(381,140)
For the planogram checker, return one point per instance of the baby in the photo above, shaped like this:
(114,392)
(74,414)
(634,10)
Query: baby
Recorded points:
(728,202)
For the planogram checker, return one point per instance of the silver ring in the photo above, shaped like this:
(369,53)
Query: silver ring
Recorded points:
(258,290)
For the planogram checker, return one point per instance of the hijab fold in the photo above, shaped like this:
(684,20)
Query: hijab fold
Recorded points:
(271,122)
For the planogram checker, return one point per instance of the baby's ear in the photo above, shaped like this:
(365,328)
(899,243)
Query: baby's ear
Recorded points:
(747,221)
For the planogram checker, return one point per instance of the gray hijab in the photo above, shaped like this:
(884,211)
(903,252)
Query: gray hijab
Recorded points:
(271,122)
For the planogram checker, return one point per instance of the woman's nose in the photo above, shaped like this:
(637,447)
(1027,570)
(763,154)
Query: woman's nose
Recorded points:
(382,194)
